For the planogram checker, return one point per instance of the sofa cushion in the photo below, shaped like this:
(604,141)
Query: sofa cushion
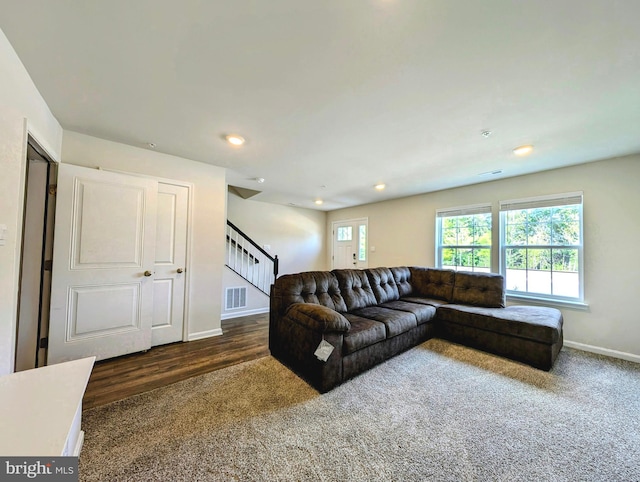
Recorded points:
(479,289)
(432,283)
(318,287)
(535,323)
(397,322)
(424,301)
(355,288)
(317,318)
(383,284)
(402,276)
(422,312)
(363,332)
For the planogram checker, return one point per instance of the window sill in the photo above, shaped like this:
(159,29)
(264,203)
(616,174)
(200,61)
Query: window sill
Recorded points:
(576,305)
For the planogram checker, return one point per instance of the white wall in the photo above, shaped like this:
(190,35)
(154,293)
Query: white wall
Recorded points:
(208,215)
(22,111)
(257,301)
(403,233)
(296,235)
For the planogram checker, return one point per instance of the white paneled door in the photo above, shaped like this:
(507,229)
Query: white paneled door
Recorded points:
(170,265)
(350,244)
(103,264)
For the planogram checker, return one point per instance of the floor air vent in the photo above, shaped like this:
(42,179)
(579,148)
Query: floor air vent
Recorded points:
(236,298)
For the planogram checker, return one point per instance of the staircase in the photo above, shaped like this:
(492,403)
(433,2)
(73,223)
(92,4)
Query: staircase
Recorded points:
(245,257)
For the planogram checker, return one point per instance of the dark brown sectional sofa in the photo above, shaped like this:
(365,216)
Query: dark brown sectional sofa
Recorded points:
(371,315)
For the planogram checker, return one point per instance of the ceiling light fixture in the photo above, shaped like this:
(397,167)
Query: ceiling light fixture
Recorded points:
(151,145)
(486,134)
(523,150)
(318,201)
(380,186)
(259,180)
(235,139)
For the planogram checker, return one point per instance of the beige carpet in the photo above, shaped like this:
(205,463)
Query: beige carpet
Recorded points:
(437,412)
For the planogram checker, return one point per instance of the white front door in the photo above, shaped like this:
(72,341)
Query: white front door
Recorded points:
(103,262)
(350,244)
(171,255)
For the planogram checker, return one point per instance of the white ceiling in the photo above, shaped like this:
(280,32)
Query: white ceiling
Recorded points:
(334,96)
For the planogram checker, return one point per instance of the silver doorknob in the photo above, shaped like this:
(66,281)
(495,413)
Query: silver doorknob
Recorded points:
(147,273)
(180,270)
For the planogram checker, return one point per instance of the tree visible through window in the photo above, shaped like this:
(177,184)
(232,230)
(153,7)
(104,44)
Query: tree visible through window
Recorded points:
(464,238)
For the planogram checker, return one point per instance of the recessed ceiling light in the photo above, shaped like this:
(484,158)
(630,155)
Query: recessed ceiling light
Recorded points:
(318,201)
(151,145)
(259,180)
(380,186)
(523,150)
(486,134)
(234,139)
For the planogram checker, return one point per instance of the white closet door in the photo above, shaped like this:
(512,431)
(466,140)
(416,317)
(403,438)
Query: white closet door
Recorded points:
(103,263)
(170,265)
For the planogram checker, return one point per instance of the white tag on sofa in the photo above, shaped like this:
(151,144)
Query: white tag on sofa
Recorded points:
(324,350)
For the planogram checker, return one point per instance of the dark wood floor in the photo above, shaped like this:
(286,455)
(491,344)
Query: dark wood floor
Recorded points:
(243,339)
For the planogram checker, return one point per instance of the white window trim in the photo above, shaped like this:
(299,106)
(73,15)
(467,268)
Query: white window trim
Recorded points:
(572,198)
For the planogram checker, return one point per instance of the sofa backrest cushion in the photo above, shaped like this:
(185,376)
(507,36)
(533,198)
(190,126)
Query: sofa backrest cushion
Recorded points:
(355,288)
(432,283)
(317,287)
(479,289)
(383,284)
(402,276)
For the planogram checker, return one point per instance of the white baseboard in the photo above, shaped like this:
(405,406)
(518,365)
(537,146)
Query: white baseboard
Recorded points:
(204,334)
(238,314)
(603,351)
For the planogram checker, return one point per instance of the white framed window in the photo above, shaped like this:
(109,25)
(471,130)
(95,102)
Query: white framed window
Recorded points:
(463,238)
(541,249)
(345,233)
(362,242)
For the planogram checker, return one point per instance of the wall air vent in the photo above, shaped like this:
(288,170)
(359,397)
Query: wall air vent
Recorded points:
(236,298)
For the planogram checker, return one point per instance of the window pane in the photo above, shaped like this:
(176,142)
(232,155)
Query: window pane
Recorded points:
(449,258)
(518,216)
(539,259)
(483,230)
(539,233)
(465,258)
(566,284)
(539,282)
(450,236)
(362,242)
(345,233)
(516,258)
(516,234)
(566,226)
(465,236)
(516,279)
(482,258)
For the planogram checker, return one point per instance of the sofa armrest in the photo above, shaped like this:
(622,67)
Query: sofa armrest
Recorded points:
(317,318)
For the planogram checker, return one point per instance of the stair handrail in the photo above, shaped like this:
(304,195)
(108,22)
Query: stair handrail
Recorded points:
(257,246)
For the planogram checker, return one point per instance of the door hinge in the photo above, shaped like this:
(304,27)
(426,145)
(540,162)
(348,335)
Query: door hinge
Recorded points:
(48,263)
(53,189)
(44,342)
